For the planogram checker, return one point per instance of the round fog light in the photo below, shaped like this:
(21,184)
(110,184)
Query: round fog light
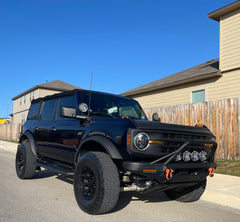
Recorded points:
(178,158)
(186,156)
(194,156)
(203,155)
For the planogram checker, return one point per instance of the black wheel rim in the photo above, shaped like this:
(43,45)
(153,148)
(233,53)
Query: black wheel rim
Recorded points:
(87,183)
(20,162)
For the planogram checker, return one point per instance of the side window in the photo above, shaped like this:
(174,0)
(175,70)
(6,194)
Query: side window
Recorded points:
(127,111)
(65,101)
(198,96)
(33,112)
(48,109)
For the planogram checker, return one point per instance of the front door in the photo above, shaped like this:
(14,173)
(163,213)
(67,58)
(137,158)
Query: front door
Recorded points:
(65,133)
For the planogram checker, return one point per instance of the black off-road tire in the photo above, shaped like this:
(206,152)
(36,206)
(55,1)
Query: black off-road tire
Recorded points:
(187,194)
(96,183)
(25,161)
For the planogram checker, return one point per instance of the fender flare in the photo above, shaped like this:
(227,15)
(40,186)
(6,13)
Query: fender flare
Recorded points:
(31,140)
(109,147)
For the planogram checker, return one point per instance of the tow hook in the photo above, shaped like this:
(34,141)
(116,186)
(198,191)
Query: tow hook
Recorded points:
(169,173)
(211,172)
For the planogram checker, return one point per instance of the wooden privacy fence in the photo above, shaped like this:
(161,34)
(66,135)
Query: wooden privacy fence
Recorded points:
(9,132)
(222,117)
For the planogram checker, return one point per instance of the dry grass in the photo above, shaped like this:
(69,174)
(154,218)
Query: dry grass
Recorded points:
(229,167)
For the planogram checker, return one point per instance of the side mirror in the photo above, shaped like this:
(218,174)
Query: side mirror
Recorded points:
(155,117)
(68,112)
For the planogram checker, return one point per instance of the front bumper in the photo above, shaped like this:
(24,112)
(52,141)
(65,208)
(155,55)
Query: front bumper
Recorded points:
(165,170)
(172,172)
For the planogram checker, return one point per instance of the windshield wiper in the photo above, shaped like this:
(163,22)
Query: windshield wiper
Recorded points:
(102,114)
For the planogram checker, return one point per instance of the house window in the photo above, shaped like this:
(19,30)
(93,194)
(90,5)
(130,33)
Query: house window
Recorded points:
(24,99)
(20,101)
(23,118)
(31,95)
(198,96)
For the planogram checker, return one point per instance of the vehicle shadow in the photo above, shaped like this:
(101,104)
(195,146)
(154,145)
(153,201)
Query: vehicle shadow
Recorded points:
(126,198)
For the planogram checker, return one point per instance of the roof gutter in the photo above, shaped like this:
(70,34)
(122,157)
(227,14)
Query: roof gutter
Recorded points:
(217,14)
(180,82)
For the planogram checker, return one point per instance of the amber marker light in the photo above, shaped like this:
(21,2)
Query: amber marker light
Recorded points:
(149,171)
(208,145)
(155,142)
(128,139)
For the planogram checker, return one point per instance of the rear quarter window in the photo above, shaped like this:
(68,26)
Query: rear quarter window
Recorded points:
(34,110)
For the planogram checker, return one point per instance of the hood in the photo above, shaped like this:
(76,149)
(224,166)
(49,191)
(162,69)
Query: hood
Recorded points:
(151,125)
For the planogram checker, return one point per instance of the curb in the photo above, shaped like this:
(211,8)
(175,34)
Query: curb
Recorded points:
(222,199)
(8,146)
(223,190)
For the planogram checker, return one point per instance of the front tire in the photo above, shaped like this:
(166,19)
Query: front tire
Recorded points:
(96,183)
(25,161)
(187,194)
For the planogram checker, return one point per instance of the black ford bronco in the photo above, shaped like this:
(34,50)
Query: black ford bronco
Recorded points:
(108,145)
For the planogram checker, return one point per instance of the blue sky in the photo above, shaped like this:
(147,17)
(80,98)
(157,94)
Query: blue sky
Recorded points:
(125,43)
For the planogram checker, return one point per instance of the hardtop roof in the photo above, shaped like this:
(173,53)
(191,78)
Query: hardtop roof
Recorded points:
(73,92)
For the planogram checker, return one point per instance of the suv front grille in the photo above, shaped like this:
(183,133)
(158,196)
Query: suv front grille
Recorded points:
(173,141)
(184,137)
(170,147)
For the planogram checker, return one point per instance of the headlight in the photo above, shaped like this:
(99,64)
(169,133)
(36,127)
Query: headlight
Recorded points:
(141,141)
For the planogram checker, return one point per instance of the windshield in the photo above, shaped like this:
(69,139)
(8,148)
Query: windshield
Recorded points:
(108,105)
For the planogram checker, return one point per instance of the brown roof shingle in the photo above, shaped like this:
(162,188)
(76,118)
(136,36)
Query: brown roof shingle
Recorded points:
(57,85)
(205,70)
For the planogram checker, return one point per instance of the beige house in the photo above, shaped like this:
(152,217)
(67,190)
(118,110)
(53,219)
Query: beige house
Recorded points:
(210,81)
(22,102)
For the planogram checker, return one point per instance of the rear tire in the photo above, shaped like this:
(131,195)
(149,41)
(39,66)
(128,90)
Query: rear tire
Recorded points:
(25,161)
(187,194)
(96,183)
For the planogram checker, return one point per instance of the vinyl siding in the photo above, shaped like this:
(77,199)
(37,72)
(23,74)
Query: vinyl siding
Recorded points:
(230,41)
(227,86)
(19,110)
(18,117)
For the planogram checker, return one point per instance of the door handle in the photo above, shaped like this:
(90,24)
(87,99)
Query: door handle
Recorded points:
(36,128)
(54,129)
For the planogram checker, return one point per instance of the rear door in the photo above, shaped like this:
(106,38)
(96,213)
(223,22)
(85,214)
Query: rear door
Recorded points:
(41,130)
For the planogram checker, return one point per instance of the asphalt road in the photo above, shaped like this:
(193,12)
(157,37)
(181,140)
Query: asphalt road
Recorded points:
(49,197)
